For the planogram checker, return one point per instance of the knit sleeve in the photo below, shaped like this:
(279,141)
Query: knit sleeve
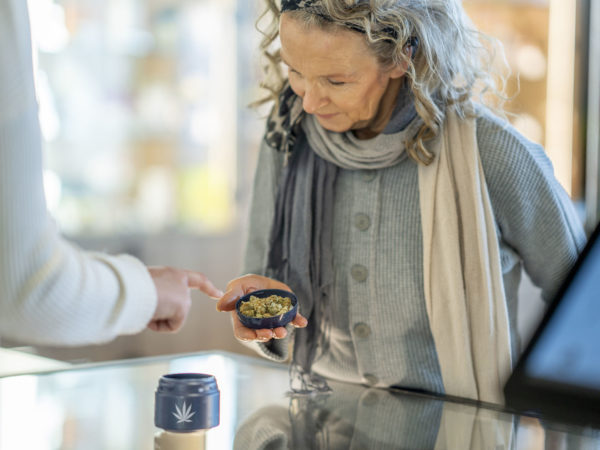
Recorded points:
(51,292)
(262,208)
(260,217)
(536,217)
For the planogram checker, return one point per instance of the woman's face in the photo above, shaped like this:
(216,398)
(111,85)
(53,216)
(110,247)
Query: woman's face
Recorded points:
(339,80)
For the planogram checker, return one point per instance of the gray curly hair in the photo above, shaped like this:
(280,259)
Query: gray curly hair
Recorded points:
(452,65)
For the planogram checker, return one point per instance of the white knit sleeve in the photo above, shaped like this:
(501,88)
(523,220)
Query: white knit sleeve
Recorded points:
(51,292)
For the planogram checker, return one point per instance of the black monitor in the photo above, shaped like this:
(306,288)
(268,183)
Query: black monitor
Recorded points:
(558,374)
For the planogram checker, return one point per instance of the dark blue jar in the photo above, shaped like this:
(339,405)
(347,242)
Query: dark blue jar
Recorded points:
(186,402)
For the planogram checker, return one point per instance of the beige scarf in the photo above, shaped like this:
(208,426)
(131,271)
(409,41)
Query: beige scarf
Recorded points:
(464,292)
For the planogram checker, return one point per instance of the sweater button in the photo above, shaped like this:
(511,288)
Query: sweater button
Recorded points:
(362,330)
(359,273)
(362,221)
(368,175)
(371,379)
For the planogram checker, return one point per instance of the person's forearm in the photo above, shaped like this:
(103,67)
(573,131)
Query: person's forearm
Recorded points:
(17,92)
(50,291)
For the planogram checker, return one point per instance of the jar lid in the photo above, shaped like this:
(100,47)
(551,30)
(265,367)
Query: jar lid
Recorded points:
(186,402)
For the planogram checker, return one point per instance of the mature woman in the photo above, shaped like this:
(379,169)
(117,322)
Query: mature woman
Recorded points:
(399,209)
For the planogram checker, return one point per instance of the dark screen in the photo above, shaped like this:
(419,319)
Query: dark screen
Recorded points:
(568,350)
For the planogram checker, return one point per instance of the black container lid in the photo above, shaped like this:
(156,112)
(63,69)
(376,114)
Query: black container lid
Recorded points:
(186,402)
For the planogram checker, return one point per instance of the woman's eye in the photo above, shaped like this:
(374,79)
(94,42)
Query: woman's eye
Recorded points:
(295,72)
(336,83)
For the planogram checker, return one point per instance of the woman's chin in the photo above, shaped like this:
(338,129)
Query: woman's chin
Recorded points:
(331,125)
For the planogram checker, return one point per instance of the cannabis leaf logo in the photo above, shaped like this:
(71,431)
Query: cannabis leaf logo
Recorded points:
(184,414)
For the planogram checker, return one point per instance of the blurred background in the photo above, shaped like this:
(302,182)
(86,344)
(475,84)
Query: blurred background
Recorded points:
(150,146)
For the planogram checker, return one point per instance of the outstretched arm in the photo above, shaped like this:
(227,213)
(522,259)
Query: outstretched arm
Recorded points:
(51,291)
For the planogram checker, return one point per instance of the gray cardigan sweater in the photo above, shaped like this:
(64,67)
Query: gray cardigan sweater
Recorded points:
(380,332)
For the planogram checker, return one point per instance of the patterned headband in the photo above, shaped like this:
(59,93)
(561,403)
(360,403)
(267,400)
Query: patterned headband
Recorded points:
(292,5)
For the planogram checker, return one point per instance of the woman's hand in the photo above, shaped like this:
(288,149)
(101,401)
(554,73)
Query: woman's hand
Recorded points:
(174,301)
(244,285)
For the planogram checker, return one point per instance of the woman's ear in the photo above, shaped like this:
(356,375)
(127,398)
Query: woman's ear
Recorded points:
(410,48)
(399,70)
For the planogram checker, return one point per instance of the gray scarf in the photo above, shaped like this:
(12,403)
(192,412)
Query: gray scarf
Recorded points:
(300,243)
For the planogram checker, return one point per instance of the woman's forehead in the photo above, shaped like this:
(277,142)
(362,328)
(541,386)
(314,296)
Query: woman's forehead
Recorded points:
(331,48)
(298,23)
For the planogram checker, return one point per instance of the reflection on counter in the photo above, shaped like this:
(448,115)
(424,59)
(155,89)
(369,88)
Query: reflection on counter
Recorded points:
(17,361)
(111,406)
(351,416)
(357,417)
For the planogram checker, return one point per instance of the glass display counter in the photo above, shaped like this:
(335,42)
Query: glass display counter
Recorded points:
(111,406)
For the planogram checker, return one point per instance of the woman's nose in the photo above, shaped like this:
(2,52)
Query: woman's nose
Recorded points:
(313,99)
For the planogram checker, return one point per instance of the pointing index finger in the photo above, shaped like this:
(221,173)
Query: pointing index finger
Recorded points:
(197,280)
